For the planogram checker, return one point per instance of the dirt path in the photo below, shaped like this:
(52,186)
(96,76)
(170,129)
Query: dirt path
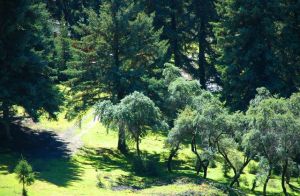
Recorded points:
(72,138)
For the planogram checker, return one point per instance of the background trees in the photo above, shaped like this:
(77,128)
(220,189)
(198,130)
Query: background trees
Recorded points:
(250,42)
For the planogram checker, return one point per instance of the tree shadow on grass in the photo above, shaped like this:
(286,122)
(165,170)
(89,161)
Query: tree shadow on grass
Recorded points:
(105,159)
(49,156)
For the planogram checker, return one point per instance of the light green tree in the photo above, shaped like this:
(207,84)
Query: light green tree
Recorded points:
(25,174)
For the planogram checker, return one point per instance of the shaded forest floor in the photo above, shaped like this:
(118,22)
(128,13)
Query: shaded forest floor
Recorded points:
(85,161)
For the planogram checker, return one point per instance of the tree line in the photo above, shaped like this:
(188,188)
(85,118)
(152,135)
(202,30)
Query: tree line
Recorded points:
(129,58)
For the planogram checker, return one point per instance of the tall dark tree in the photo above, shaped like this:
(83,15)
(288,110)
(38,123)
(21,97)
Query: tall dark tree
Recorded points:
(203,13)
(290,46)
(187,27)
(118,51)
(62,54)
(25,49)
(71,10)
(247,40)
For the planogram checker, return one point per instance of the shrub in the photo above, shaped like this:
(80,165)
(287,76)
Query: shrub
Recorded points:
(146,166)
(138,166)
(152,168)
(213,164)
(253,168)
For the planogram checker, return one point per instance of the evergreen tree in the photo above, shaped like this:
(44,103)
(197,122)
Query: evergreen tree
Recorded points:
(247,45)
(25,174)
(203,13)
(187,27)
(25,49)
(71,10)
(62,54)
(289,48)
(118,51)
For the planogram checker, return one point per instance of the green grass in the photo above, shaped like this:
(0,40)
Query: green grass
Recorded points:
(100,160)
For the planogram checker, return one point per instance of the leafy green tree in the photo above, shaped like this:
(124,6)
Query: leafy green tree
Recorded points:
(277,128)
(136,113)
(173,92)
(25,174)
(26,46)
(139,114)
(197,125)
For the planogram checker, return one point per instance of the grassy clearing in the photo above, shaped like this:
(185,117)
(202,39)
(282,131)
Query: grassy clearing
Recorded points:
(98,169)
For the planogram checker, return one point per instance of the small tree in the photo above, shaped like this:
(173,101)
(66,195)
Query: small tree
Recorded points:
(139,114)
(25,174)
(136,114)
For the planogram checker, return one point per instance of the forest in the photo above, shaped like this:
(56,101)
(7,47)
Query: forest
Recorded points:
(149,97)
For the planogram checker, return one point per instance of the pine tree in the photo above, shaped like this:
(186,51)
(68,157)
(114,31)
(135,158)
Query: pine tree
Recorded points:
(25,50)
(118,51)
(187,27)
(247,40)
(25,175)
(203,13)
(62,54)
(290,46)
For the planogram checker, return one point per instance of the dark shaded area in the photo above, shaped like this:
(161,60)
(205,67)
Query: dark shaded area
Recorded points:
(37,144)
(104,159)
(49,156)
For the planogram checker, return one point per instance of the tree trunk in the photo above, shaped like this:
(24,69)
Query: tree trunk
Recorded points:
(201,14)
(138,147)
(199,166)
(174,38)
(205,167)
(194,150)
(253,185)
(6,120)
(23,190)
(266,181)
(122,147)
(170,158)
(284,170)
(238,173)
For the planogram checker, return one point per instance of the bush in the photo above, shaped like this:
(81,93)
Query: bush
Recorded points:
(152,168)
(147,167)
(138,166)
(213,164)
(253,168)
